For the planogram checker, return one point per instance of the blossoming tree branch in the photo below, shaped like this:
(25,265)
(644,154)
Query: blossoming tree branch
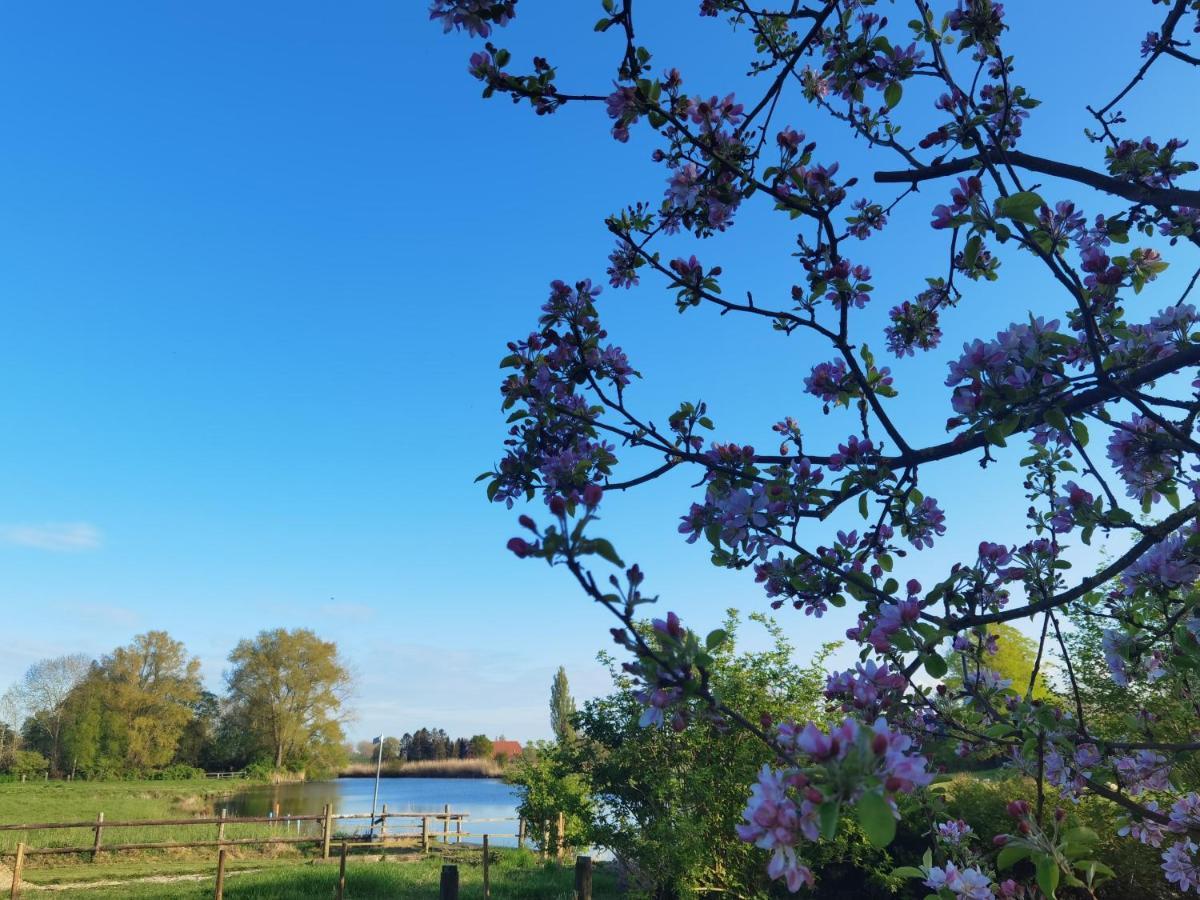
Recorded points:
(1097,389)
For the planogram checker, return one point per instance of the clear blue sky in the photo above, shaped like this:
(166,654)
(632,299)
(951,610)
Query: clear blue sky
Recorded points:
(258,262)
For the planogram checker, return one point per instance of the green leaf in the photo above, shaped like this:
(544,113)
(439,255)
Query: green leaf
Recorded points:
(935,666)
(892,94)
(971,251)
(1055,419)
(1021,206)
(1011,855)
(862,505)
(1081,835)
(716,638)
(1047,875)
(908,872)
(876,818)
(604,549)
(827,815)
(1080,431)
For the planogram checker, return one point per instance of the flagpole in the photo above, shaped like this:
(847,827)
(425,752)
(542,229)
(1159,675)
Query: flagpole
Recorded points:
(375,798)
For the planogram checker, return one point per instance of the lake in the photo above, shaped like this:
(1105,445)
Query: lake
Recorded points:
(481,798)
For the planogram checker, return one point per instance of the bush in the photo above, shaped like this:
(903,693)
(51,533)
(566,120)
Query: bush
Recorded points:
(177,772)
(28,763)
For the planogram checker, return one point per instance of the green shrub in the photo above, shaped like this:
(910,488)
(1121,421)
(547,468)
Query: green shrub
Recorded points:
(28,763)
(177,772)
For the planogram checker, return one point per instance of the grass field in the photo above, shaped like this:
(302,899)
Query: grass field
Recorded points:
(80,801)
(514,874)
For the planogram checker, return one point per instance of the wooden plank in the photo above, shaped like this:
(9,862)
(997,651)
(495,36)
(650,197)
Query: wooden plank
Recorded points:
(583,878)
(205,820)
(18,869)
(326,830)
(220,889)
(487,883)
(170,845)
(99,831)
(425,834)
(341,884)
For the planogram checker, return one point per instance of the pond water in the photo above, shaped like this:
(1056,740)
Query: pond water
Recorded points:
(480,798)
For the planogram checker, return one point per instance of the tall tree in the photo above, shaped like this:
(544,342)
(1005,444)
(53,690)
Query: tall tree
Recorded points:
(288,688)
(130,712)
(43,693)
(562,707)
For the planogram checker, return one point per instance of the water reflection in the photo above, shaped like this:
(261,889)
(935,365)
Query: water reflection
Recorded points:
(480,798)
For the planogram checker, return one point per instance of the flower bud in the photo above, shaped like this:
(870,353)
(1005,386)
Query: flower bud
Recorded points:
(879,744)
(520,547)
(592,495)
(1059,814)
(1023,827)
(558,505)
(1017,808)
(1000,840)
(814,796)
(526,522)
(893,784)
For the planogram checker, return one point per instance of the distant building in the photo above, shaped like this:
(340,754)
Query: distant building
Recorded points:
(506,749)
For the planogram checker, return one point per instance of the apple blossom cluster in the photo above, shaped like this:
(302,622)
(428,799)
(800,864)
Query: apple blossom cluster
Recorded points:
(852,765)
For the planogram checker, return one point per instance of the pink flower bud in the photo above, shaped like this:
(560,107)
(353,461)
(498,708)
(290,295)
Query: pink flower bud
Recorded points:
(519,546)
(893,784)
(1000,840)
(526,522)
(879,744)
(558,505)
(592,495)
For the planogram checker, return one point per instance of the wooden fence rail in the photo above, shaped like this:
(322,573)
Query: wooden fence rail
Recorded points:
(99,826)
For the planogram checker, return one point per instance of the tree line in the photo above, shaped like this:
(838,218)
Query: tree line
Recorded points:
(142,710)
(425,744)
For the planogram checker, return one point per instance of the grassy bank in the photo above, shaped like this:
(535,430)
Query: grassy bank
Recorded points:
(514,874)
(80,801)
(429,768)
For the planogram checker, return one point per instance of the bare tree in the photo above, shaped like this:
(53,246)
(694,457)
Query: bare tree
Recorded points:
(43,692)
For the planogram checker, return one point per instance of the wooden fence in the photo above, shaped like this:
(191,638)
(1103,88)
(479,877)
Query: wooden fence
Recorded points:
(405,829)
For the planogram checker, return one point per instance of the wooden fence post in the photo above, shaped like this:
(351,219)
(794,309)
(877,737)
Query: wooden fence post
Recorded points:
(521,833)
(220,891)
(449,887)
(326,830)
(583,878)
(18,867)
(383,824)
(561,838)
(546,840)
(99,829)
(487,884)
(424,834)
(458,829)
(446,825)
(221,826)
(341,882)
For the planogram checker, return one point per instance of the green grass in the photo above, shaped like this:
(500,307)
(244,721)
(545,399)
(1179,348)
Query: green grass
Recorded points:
(80,801)
(514,874)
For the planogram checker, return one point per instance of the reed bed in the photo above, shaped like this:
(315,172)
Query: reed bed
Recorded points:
(429,768)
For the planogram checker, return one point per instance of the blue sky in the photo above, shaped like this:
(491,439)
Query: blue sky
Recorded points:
(258,263)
